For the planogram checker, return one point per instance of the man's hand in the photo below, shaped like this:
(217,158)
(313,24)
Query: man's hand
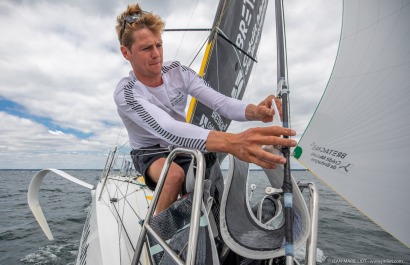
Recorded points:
(247,145)
(263,112)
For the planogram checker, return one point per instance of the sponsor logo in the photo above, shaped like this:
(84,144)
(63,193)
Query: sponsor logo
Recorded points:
(177,99)
(330,158)
(252,35)
(204,123)
(219,122)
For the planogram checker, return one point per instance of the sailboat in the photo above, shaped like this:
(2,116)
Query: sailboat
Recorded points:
(202,227)
(120,228)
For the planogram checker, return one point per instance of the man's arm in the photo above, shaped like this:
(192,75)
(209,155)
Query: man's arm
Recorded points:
(263,112)
(247,145)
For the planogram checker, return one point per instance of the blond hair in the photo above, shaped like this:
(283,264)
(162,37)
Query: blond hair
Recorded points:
(146,20)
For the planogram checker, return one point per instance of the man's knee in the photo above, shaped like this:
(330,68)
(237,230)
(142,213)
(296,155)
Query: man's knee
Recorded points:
(176,176)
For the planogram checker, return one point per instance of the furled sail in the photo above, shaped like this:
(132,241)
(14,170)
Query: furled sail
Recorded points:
(359,137)
(229,56)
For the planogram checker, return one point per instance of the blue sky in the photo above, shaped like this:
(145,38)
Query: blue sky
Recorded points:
(60,62)
(15,109)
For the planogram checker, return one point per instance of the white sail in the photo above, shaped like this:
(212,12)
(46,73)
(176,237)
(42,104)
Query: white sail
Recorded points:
(358,140)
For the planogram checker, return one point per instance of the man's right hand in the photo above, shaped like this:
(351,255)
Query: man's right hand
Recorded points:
(247,145)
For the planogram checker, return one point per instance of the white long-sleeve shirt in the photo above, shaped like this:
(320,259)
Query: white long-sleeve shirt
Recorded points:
(156,115)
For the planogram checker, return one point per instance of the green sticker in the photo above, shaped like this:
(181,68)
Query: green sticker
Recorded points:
(297,153)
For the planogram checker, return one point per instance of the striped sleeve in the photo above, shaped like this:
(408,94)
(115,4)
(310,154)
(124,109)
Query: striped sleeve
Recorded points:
(228,107)
(157,122)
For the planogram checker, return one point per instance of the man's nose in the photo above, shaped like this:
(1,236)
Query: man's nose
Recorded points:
(155,52)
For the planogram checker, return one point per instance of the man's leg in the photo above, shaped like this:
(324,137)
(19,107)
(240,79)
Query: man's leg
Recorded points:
(172,186)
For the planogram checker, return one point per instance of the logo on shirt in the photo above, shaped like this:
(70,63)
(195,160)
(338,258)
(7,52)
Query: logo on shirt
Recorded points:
(177,99)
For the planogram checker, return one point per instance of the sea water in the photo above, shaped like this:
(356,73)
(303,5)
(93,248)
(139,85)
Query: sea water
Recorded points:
(345,236)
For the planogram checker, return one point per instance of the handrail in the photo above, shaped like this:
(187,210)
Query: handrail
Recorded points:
(195,214)
(311,244)
(107,169)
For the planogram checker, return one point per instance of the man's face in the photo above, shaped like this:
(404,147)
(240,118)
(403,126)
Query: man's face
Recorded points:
(146,55)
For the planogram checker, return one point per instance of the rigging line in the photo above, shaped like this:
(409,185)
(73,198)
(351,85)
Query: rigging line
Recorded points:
(243,72)
(118,200)
(199,50)
(287,74)
(170,11)
(217,63)
(213,35)
(152,149)
(187,29)
(225,9)
(129,204)
(145,195)
(251,83)
(120,221)
(123,211)
(240,65)
(124,197)
(118,137)
(220,33)
(129,181)
(189,22)
(154,153)
(123,226)
(110,198)
(123,145)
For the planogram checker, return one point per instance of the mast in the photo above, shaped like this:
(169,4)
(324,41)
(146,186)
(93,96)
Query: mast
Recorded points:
(283,92)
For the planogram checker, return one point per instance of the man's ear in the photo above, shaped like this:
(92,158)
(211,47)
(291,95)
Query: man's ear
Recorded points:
(125,52)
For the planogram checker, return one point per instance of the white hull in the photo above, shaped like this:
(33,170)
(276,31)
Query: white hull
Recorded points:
(114,222)
(119,211)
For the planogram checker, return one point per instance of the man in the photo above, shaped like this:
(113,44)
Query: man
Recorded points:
(151,102)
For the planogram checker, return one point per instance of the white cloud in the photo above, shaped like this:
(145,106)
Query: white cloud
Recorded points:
(56,132)
(61,61)
(26,144)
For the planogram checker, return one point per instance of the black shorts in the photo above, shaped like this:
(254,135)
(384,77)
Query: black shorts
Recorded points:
(144,157)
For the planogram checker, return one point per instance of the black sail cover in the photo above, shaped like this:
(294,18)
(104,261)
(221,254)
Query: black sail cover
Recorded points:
(229,56)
